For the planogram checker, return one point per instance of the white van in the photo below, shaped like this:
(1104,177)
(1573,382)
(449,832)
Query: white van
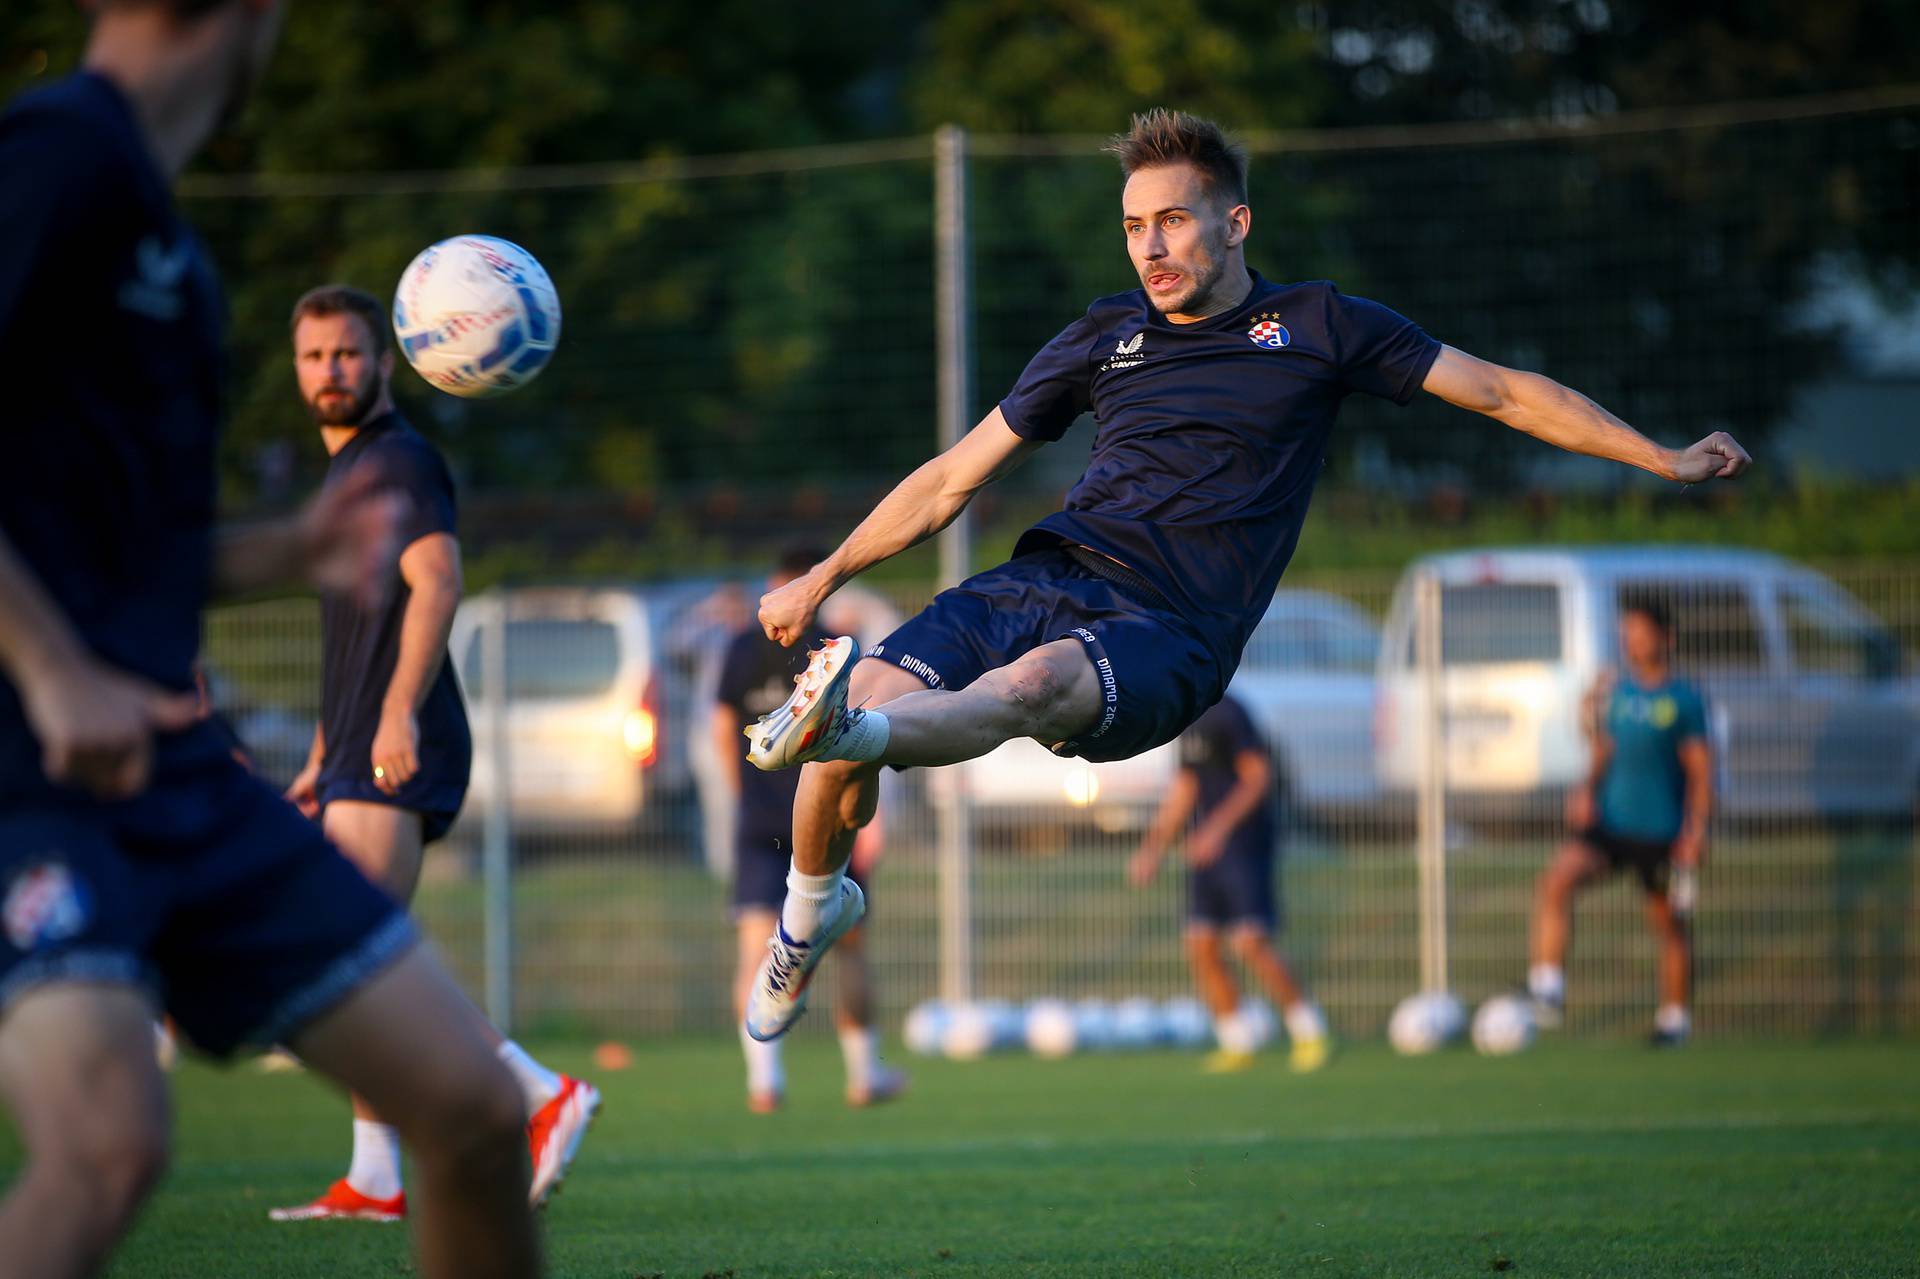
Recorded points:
(1809,702)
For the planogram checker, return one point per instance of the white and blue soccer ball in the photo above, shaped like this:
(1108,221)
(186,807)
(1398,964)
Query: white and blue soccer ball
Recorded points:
(1050,1028)
(1258,1018)
(1503,1025)
(969,1033)
(476,316)
(1137,1024)
(1187,1021)
(925,1027)
(1425,1023)
(1093,1025)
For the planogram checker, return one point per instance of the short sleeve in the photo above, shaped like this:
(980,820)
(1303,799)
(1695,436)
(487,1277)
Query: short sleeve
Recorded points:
(1382,352)
(1692,719)
(418,472)
(1056,387)
(738,673)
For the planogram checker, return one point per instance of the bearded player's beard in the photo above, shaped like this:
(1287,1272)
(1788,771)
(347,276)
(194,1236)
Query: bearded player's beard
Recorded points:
(1202,283)
(337,406)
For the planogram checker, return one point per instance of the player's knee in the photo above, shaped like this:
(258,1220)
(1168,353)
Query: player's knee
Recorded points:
(109,1160)
(1203,945)
(1248,943)
(478,1115)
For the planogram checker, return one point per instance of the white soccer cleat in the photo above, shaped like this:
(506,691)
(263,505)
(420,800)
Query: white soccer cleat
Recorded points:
(780,988)
(811,720)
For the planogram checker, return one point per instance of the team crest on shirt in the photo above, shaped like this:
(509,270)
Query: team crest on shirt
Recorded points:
(45,904)
(1267,331)
(1126,352)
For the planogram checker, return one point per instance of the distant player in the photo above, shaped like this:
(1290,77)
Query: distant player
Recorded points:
(391,753)
(1120,618)
(1222,801)
(1643,807)
(755,677)
(141,866)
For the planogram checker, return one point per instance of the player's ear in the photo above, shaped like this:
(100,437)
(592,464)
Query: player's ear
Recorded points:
(1239,224)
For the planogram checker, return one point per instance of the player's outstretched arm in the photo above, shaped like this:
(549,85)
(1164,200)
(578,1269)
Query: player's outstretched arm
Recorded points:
(346,539)
(1563,417)
(919,506)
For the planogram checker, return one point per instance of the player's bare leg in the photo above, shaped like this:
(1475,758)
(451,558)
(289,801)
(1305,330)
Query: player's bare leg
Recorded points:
(870,1081)
(1221,995)
(413,1046)
(1306,1027)
(78,1073)
(1673,1023)
(1573,866)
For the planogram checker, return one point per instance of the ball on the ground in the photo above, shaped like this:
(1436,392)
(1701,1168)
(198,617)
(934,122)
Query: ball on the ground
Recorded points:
(1424,1023)
(1503,1025)
(1136,1023)
(1093,1024)
(1187,1022)
(1257,1016)
(969,1033)
(476,316)
(1050,1028)
(925,1026)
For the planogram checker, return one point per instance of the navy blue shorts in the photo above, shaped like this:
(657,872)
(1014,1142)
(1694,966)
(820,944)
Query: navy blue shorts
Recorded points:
(1235,890)
(213,893)
(1156,675)
(760,875)
(437,806)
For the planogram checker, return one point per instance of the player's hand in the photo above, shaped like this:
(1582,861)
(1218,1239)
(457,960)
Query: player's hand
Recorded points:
(786,612)
(1141,868)
(95,724)
(1580,808)
(1718,457)
(350,534)
(304,791)
(396,750)
(1205,847)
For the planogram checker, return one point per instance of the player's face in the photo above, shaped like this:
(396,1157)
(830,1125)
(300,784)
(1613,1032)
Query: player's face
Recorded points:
(340,377)
(1642,642)
(1179,238)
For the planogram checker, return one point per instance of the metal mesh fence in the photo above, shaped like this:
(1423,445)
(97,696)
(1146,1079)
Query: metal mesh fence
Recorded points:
(1807,910)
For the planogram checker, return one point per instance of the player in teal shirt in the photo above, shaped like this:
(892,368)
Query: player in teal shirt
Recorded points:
(1644,806)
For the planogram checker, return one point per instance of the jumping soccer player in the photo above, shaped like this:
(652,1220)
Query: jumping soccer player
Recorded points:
(1120,618)
(755,678)
(391,753)
(141,866)
(1222,801)
(1644,806)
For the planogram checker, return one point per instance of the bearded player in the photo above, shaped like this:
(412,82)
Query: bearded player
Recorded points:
(1120,618)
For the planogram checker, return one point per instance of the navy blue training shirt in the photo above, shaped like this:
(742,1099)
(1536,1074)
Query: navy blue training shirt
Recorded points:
(1210,749)
(110,356)
(1209,436)
(757,677)
(359,648)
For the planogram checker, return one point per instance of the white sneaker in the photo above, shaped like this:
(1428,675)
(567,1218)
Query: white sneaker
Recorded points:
(780,988)
(813,717)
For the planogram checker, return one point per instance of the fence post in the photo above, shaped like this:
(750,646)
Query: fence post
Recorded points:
(1431,838)
(496,844)
(953,812)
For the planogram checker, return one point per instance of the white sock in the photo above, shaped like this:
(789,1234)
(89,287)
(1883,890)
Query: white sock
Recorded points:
(375,1170)
(1235,1033)
(1304,1021)
(537,1084)
(1547,983)
(1674,1019)
(813,902)
(864,738)
(861,1047)
(765,1073)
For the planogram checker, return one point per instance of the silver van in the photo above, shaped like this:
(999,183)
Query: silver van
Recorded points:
(1810,700)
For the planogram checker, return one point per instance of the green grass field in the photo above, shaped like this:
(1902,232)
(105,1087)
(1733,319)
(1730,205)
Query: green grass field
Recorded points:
(1575,1159)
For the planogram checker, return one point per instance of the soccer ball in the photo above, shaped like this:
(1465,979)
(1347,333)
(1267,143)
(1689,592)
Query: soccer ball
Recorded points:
(1093,1024)
(1424,1023)
(1257,1016)
(1050,1029)
(1188,1025)
(1136,1023)
(925,1026)
(1503,1025)
(476,316)
(969,1033)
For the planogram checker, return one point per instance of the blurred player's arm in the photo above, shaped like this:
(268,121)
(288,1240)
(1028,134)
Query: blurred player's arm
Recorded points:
(303,792)
(921,505)
(1253,774)
(94,722)
(724,724)
(343,540)
(430,567)
(1166,826)
(1548,411)
(1580,799)
(1696,765)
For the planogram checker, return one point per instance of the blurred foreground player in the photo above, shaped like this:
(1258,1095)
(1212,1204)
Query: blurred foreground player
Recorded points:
(392,751)
(756,675)
(140,865)
(1222,800)
(1121,617)
(1644,807)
